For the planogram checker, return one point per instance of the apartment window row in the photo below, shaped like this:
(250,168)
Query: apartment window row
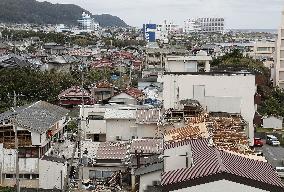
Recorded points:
(22,176)
(28,153)
(100,174)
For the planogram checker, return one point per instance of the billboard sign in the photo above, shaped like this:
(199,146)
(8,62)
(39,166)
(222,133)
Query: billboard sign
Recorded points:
(150,32)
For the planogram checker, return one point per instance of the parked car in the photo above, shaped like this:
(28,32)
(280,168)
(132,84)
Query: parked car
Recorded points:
(272,140)
(280,171)
(258,142)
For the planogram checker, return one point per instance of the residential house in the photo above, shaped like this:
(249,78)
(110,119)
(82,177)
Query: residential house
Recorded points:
(54,49)
(75,96)
(102,91)
(205,168)
(216,92)
(63,63)
(38,124)
(131,96)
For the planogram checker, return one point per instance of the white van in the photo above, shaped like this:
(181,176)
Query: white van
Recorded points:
(272,140)
(280,171)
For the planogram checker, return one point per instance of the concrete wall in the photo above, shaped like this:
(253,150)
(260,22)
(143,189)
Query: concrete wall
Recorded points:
(96,127)
(27,183)
(220,186)
(175,159)
(272,122)
(8,166)
(147,179)
(121,127)
(221,93)
(128,128)
(181,66)
(52,174)
(146,130)
(8,160)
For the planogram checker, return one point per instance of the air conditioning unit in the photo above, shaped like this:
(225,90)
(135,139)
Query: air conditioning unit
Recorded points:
(118,138)
(134,137)
(156,183)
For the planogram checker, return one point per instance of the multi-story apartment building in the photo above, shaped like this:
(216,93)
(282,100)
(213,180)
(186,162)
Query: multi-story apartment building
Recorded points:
(279,65)
(87,23)
(205,25)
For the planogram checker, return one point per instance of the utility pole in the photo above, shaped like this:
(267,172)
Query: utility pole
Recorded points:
(16,144)
(80,167)
(130,73)
(66,181)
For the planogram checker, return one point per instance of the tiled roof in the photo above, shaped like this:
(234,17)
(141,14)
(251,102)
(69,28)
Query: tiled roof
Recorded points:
(103,84)
(145,116)
(152,146)
(39,116)
(134,92)
(74,91)
(112,150)
(187,132)
(208,161)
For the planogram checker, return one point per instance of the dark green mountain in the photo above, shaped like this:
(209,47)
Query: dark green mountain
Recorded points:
(32,11)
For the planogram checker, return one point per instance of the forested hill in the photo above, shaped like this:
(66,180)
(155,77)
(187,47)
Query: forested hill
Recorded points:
(32,11)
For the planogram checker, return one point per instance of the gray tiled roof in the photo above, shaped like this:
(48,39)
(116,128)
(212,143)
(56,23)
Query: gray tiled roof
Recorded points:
(39,116)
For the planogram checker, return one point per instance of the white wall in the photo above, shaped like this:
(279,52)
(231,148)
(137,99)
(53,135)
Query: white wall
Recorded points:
(272,122)
(96,127)
(50,174)
(146,130)
(8,160)
(221,186)
(222,93)
(175,159)
(147,179)
(121,127)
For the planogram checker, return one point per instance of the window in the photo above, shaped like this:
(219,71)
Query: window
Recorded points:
(28,153)
(27,176)
(107,174)
(9,176)
(35,176)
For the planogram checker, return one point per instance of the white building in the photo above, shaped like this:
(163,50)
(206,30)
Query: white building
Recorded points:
(272,122)
(231,93)
(204,25)
(87,23)
(119,122)
(262,50)
(187,63)
(37,126)
(166,28)
(279,67)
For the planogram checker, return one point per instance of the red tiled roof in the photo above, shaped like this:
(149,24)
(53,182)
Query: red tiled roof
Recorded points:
(74,91)
(208,161)
(134,92)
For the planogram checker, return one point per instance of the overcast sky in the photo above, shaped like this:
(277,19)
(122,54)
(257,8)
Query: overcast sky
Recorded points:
(242,14)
